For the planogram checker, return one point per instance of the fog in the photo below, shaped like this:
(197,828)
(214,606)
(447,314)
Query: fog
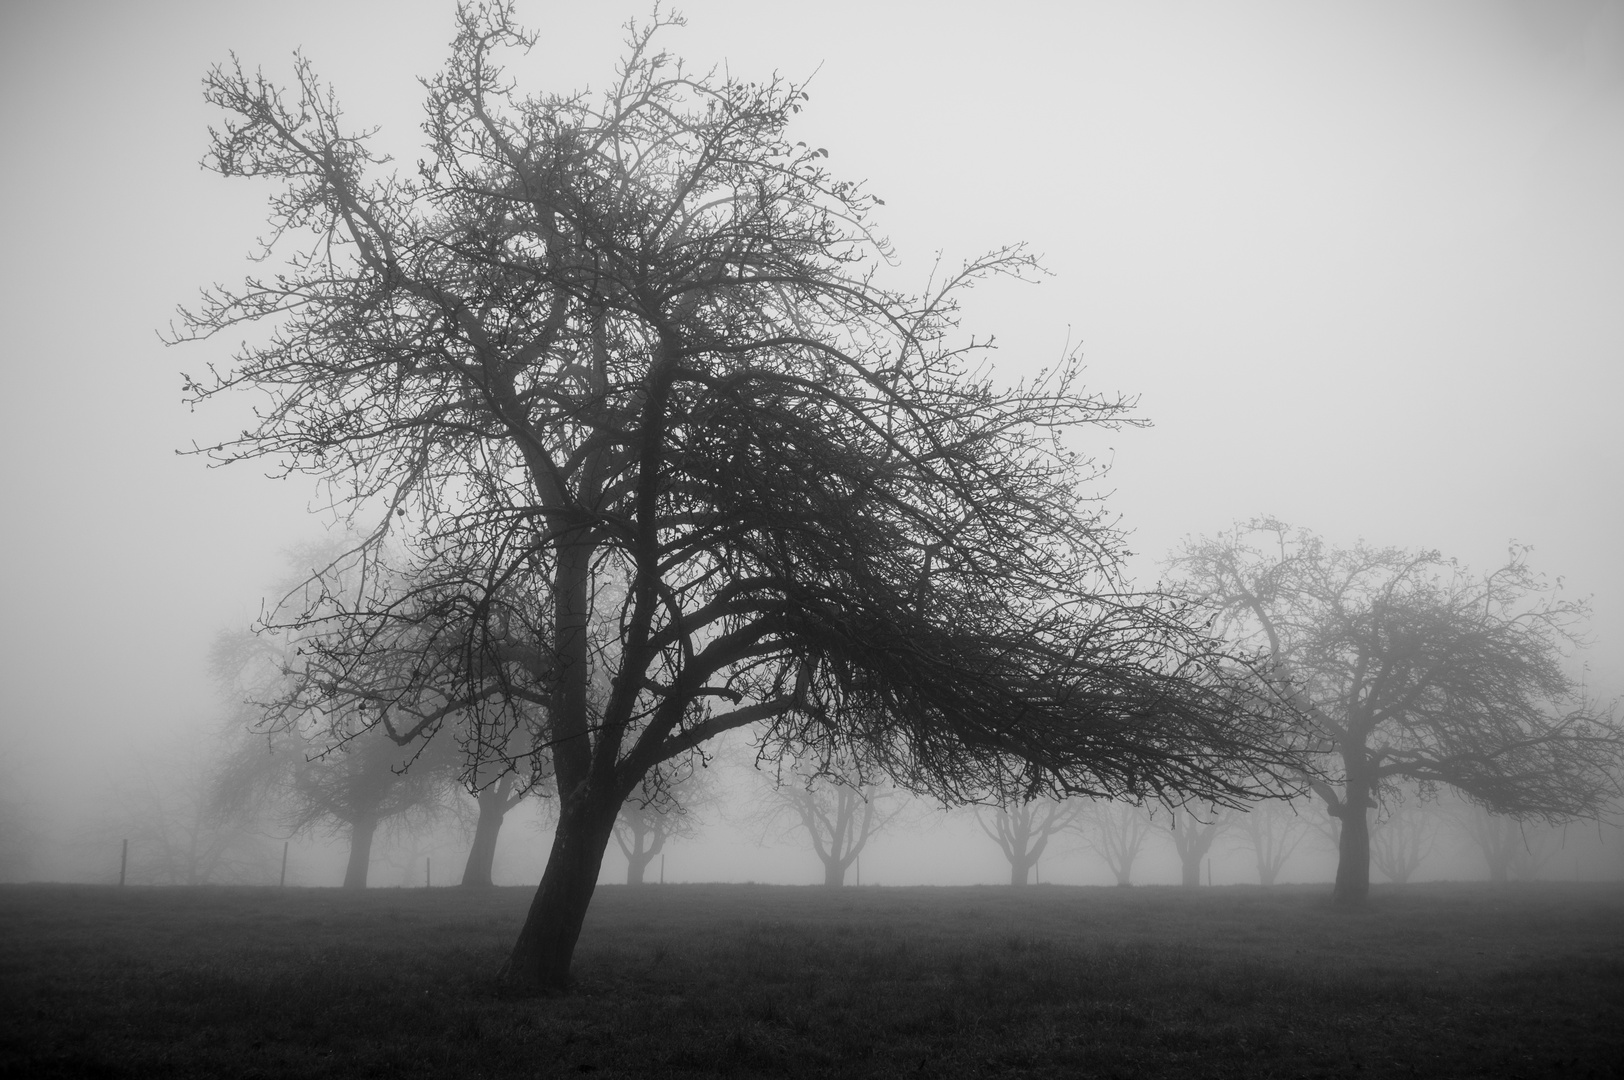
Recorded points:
(1361,264)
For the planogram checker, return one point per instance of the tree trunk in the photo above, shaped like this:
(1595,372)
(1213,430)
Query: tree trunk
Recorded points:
(541,956)
(1020,871)
(1192,869)
(482,855)
(1353,857)
(361,831)
(637,863)
(834,873)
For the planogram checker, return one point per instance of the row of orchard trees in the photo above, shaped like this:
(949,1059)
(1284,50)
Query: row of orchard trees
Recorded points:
(649,449)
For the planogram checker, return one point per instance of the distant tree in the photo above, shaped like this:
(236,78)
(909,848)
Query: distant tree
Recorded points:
(335,772)
(1413,669)
(162,800)
(835,807)
(1193,832)
(641,350)
(1401,836)
(1514,850)
(1022,831)
(1272,829)
(1116,832)
(665,807)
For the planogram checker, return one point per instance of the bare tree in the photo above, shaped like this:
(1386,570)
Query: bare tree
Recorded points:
(635,352)
(1401,837)
(1116,832)
(835,807)
(666,806)
(1193,833)
(1273,829)
(163,802)
(1022,831)
(1413,669)
(1514,850)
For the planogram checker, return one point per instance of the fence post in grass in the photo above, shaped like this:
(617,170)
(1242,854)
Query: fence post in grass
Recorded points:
(428,872)
(123,862)
(282,881)
(1209,872)
(859,869)
(662,869)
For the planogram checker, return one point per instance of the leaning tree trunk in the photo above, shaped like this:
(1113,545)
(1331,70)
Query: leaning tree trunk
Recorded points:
(541,956)
(1353,855)
(495,800)
(361,832)
(482,855)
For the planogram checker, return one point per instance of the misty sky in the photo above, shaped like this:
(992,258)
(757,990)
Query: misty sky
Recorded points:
(1362,263)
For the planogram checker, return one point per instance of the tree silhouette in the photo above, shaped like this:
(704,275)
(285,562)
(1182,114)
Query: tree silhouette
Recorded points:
(1116,832)
(1022,831)
(638,352)
(1413,669)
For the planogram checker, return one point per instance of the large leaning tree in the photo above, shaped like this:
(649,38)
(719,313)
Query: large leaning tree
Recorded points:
(1411,668)
(637,350)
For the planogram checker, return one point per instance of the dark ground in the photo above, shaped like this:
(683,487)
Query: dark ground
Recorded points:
(690,981)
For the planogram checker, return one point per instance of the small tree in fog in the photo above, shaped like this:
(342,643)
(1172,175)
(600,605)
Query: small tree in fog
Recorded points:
(666,806)
(164,803)
(1413,669)
(1513,850)
(834,807)
(1115,831)
(1272,830)
(1193,832)
(1022,831)
(1401,836)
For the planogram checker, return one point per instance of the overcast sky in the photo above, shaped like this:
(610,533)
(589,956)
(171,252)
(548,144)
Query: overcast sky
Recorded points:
(1361,262)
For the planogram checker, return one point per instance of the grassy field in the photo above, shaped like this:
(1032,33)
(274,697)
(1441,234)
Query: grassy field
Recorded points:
(1431,980)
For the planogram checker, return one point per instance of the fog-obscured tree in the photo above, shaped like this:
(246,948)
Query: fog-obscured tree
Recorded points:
(163,801)
(1513,850)
(1193,831)
(835,807)
(642,348)
(667,805)
(1116,831)
(1022,831)
(1272,829)
(1413,669)
(1402,836)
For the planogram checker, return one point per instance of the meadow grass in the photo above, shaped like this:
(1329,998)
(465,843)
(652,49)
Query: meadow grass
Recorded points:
(697,980)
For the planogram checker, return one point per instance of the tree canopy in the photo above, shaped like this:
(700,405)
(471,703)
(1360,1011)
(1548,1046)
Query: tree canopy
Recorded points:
(1413,668)
(621,376)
